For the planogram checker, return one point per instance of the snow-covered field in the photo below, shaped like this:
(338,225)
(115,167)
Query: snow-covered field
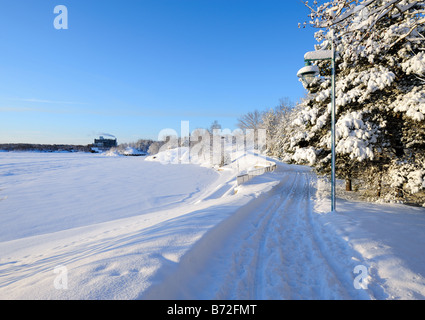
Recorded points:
(89,226)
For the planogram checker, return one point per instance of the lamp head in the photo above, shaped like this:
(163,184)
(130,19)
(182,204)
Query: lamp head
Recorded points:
(308,73)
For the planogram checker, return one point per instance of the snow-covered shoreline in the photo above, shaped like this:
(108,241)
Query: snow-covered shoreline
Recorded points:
(149,219)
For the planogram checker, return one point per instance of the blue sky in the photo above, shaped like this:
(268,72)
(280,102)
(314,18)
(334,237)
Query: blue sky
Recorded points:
(133,68)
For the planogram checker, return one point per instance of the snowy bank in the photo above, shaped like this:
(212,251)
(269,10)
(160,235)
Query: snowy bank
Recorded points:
(88,226)
(110,222)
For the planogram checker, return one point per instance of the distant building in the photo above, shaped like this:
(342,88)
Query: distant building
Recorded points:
(104,144)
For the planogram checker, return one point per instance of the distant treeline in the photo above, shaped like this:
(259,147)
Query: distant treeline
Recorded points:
(141,145)
(44,147)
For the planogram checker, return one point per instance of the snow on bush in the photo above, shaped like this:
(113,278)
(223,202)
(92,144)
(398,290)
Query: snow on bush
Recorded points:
(415,65)
(354,137)
(305,155)
(412,104)
(407,176)
(128,151)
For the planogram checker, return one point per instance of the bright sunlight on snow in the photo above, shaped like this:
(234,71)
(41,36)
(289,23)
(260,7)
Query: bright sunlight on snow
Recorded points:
(126,228)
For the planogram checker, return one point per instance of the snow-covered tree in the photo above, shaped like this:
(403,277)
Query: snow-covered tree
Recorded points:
(250,120)
(155,147)
(275,121)
(380,88)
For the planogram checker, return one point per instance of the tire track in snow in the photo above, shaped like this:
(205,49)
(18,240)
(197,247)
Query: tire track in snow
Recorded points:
(308,275)
(283,251)
(271,214)
(303,269)
(302,264)
(269,249)
(251,286)
(289,249)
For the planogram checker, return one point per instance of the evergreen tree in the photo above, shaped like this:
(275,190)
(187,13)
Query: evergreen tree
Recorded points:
(380,93)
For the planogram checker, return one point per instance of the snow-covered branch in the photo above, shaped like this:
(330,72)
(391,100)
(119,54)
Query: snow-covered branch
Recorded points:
(380,88)
(414,27)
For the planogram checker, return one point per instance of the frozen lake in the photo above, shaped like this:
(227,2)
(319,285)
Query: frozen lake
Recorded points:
(126,228)
(49,192)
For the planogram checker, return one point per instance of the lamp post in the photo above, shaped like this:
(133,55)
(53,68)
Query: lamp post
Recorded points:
(307,74)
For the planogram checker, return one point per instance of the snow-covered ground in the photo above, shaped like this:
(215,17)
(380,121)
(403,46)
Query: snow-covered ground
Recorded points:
(89,226)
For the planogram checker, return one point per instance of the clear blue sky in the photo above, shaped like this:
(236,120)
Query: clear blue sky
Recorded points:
(133,68)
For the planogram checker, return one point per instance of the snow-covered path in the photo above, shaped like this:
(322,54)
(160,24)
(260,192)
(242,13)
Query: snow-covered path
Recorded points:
(269,249)
(182,232)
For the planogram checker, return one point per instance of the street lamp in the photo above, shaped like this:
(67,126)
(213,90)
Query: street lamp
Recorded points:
(307,75)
